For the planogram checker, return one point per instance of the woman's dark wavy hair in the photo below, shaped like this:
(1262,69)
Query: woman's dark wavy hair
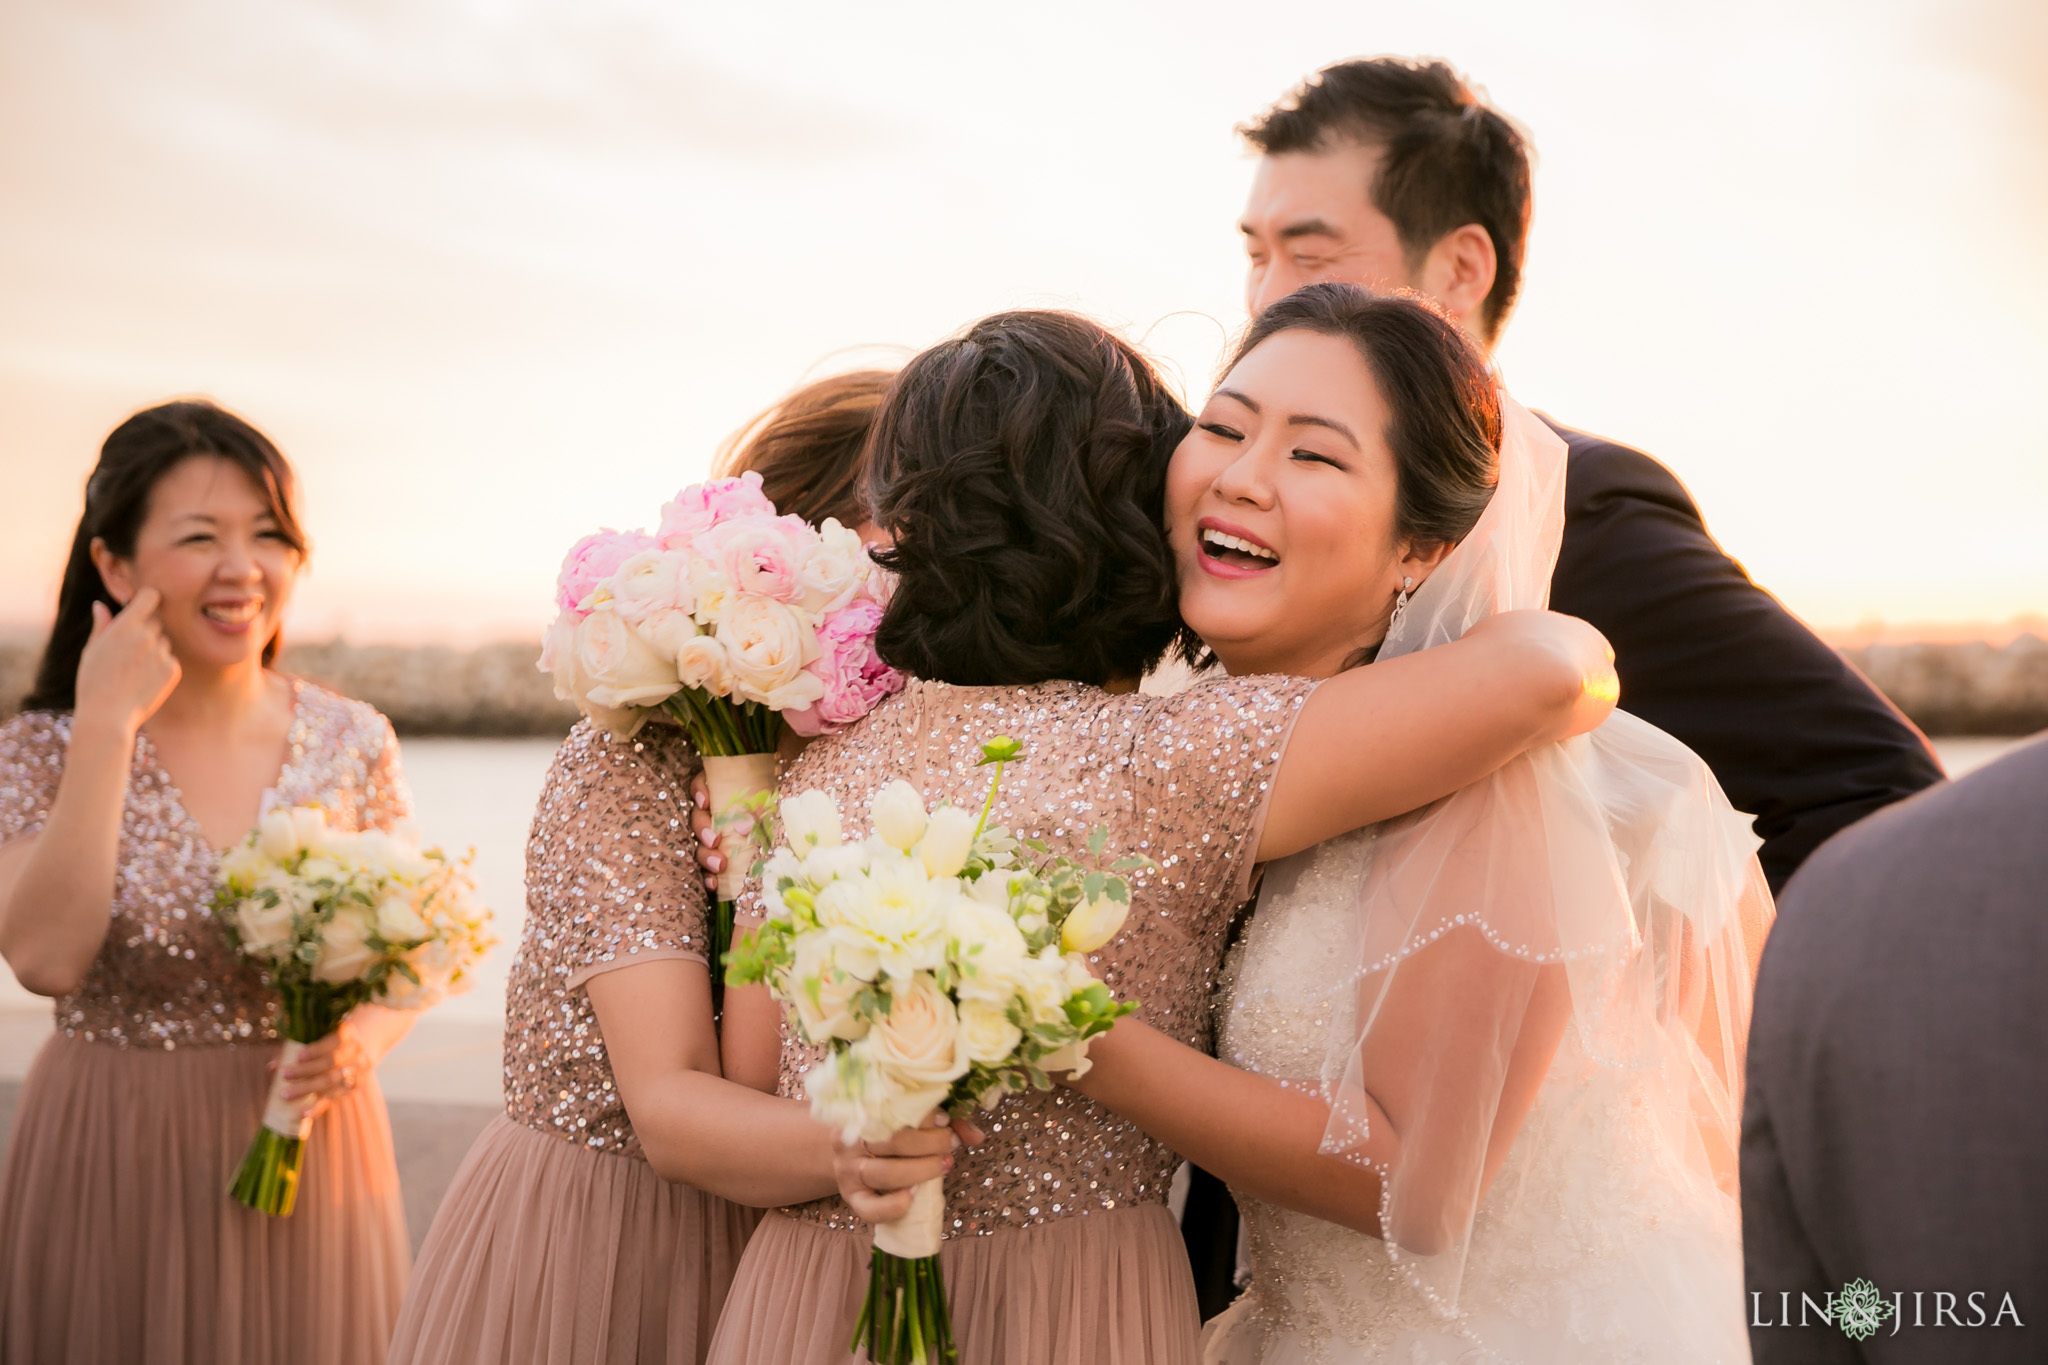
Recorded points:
(135,457)
(1444,424)
(1021,468)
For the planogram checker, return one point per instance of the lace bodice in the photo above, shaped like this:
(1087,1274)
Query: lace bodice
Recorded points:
(166,975)
(1182,780)
(610,882)
(1575,1244)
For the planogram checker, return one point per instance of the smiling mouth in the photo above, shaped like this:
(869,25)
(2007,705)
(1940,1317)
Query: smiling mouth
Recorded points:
(233,613)
(1235,550)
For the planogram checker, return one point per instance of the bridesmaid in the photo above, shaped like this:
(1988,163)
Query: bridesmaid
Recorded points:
(156,734)
(1022,470)
(599,1219)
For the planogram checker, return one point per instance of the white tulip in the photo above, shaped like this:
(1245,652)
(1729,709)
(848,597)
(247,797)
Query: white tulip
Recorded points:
(1093,923)
(947,841)
(898,815)
(309,828)
(810,821)
(276,836)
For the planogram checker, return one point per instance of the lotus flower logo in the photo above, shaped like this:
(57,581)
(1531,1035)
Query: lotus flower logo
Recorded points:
(1860,1310)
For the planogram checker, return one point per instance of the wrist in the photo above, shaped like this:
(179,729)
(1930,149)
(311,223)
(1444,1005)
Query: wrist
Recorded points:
(93,730)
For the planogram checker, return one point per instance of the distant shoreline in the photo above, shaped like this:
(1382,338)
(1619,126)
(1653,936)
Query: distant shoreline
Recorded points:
(497,691)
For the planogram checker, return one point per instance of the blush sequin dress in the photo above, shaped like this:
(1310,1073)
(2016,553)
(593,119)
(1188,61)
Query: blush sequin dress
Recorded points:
(557,1244)
(1059,1249)
(118,1242)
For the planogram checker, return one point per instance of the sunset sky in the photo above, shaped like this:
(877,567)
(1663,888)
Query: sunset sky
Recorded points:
(495,273)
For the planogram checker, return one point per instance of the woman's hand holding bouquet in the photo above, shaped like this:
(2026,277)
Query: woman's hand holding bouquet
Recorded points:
(941,963)
(336,919)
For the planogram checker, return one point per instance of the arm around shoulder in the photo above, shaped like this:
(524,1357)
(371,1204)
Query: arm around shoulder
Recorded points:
(1379,741)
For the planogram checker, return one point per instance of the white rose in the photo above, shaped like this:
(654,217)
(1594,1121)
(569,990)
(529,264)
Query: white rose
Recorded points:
(1093,923)
(648,585)
(992,889)
(701,662)
(345,951)
(666,632)
(824,992)
(834,570)
(767,645)
(275,836)
(898,815)
(986,1033)
(810,821)
(620,668)
(264,928)
(398,921)
(947,841)
(854,1094)
(917,1043)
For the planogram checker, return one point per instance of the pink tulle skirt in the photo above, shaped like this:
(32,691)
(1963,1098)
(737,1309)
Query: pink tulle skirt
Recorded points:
(548,1253)
(120,1245)
(1098,1289)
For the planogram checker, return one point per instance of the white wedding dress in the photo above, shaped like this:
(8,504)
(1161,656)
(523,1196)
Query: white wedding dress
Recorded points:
(1593,1244)
(1599,896)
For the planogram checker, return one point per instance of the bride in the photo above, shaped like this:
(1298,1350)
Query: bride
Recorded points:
(1523,1006)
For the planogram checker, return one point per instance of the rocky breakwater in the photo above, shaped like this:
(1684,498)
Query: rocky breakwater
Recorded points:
(1947,689)
(1963,689)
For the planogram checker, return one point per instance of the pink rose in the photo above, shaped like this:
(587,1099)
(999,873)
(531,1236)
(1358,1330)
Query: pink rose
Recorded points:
(854,676)
(762,556)
(702,506)
(593,559)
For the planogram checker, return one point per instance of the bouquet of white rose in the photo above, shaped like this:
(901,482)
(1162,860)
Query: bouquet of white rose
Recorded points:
(336,918)
(729,619)
(941,963)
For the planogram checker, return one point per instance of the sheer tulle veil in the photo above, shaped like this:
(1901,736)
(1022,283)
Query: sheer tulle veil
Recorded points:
(1595,903)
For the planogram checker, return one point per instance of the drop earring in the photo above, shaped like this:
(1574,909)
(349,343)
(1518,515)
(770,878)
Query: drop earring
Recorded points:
(1400,606)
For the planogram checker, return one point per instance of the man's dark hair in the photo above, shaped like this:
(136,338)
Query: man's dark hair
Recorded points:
(1447,157)
(1021,468)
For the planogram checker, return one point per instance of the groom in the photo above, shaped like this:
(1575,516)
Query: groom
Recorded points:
(1391,173)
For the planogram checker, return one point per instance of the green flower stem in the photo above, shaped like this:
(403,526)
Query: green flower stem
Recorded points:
(904,1319)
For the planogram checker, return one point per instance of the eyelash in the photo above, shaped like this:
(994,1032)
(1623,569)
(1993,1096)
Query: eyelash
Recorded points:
(1311,455)
(1218,429)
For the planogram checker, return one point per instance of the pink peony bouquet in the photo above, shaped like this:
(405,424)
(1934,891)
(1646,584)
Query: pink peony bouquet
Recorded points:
(729,620)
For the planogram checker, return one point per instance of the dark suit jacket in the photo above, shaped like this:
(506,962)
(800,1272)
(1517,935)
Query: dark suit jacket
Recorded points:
(1798,738)
(1896,1124)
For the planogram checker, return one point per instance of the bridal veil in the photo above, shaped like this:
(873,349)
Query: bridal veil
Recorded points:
(1597,897)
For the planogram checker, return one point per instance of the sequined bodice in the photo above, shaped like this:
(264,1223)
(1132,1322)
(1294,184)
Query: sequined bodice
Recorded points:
(610,882)
(1179,779)
(166,976)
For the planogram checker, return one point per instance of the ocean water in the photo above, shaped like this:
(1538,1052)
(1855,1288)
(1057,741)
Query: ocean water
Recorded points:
(480,794)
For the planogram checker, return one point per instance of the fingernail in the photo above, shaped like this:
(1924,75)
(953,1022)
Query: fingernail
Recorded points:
(717,861)
(949,1163)
(701,798)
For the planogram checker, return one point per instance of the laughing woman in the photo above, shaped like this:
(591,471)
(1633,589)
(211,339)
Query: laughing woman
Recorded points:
(155,736)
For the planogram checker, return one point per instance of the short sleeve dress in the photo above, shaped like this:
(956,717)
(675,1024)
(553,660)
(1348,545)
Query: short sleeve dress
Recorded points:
(1060,1248)
(118,1241)
(557,1242)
